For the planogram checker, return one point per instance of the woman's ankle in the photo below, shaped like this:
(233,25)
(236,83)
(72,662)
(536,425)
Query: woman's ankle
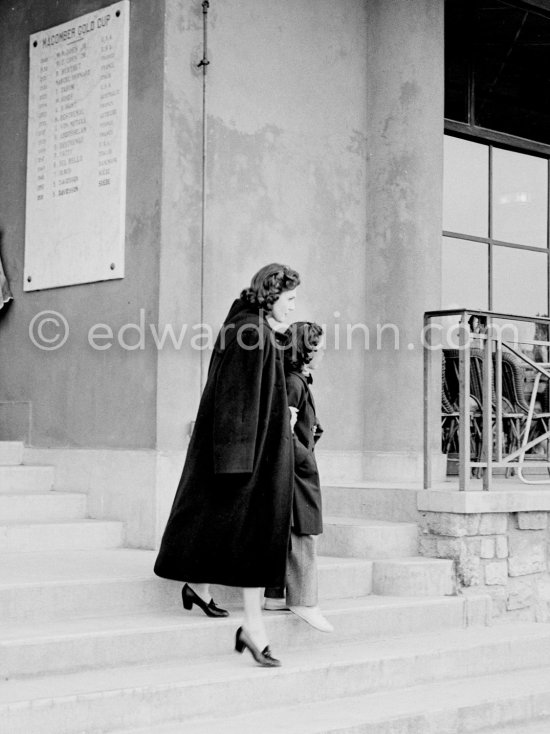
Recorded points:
(202,590)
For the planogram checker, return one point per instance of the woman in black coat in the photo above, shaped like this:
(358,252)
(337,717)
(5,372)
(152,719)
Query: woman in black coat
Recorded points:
(230,521)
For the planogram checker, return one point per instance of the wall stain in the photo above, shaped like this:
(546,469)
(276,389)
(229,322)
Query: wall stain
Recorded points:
(409,93)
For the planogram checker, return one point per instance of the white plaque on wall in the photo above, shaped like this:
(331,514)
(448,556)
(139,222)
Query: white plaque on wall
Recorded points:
(76,160)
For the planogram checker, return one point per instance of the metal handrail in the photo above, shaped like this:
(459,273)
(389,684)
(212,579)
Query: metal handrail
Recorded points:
(492,415)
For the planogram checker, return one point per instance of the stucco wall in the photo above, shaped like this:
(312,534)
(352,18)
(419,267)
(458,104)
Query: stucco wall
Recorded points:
(77,396)
(286,182)
(405,165)
(325,122)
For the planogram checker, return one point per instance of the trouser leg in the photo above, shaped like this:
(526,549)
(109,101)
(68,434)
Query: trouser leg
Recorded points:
(301,572)
(274,592)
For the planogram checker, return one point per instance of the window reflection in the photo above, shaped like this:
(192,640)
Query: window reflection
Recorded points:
(520,194)
(464,274)
(520,281)
(466,187)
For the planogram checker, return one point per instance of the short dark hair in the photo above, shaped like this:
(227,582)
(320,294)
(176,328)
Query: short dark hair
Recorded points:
(268,283)
(301,338)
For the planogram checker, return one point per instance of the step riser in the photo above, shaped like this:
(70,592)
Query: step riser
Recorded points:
(26,478)
(285,631)
(465,720)
(42,508)
(132,596)
(28,538)
(134,707)
(410,580)
(352,541)
(395,505)
(336,582)
(11,453)
(33,602)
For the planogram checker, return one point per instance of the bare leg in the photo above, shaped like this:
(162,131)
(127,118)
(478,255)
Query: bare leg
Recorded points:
(253,621)
(202,590)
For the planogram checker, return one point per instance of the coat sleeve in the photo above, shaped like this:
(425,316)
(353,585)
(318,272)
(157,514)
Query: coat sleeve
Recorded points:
(237,404)
(295,391)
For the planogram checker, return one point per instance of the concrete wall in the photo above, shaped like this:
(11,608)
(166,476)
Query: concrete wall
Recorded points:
(286,181)
(78,397)
(325,122)
(405,178)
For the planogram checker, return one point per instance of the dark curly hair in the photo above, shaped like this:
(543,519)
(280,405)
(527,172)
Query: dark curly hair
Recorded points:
(268,284)
(301,338)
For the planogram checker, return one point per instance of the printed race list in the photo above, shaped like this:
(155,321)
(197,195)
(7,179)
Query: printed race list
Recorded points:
(77,140)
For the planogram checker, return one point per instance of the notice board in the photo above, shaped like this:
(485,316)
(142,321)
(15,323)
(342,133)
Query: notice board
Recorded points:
(77,141)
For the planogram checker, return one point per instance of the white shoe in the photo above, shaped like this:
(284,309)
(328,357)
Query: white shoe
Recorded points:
(275,605)
(313,616)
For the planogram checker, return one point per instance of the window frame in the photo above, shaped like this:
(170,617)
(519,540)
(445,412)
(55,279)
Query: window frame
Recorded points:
(494,138)
(476,132)
(492,241)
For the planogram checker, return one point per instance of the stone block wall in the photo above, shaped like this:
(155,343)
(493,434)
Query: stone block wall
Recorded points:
(504,554)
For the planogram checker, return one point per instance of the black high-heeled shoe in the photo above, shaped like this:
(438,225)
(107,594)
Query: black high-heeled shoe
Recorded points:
(243,639)
(189,598)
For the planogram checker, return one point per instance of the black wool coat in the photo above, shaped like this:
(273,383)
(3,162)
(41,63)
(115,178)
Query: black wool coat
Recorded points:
(307,512)
(230,520)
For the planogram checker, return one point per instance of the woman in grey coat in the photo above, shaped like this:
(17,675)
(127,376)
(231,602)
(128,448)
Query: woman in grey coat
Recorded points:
(303,353)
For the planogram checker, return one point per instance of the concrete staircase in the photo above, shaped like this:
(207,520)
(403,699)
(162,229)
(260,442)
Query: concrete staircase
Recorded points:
(91,641)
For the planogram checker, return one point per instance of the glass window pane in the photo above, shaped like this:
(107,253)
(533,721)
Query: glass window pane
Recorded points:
(512,74)
(520,198)
(466,187)
(465,271)
(520,281)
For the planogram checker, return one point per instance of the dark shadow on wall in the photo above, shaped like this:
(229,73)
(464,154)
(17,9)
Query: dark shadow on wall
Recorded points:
(6,298)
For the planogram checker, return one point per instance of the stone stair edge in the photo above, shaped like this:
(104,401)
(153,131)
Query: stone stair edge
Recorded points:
(25,467)
(227,665)
(381,703)
(59,493)
(359,713)
(136,571)
(23,633)
(374,485)
(88,521)
(367,522)
(176,616)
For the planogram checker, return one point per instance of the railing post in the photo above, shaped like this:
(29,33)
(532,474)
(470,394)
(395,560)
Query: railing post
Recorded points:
(498,391)
(427,405)
(464,403)
(487,451)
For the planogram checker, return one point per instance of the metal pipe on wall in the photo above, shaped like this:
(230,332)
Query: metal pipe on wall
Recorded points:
(204,62)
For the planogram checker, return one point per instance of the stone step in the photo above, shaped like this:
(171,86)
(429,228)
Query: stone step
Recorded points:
(395,685)
(376,500)
(540,726)
(34,478)
(367,538)
(451,707)
(11,452)
(414,577)
(339,578)
(42,506)
(52,585)
(69,535)
(86,643)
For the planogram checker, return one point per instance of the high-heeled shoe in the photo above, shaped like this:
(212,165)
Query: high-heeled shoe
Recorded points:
(243,639)
(189,597)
